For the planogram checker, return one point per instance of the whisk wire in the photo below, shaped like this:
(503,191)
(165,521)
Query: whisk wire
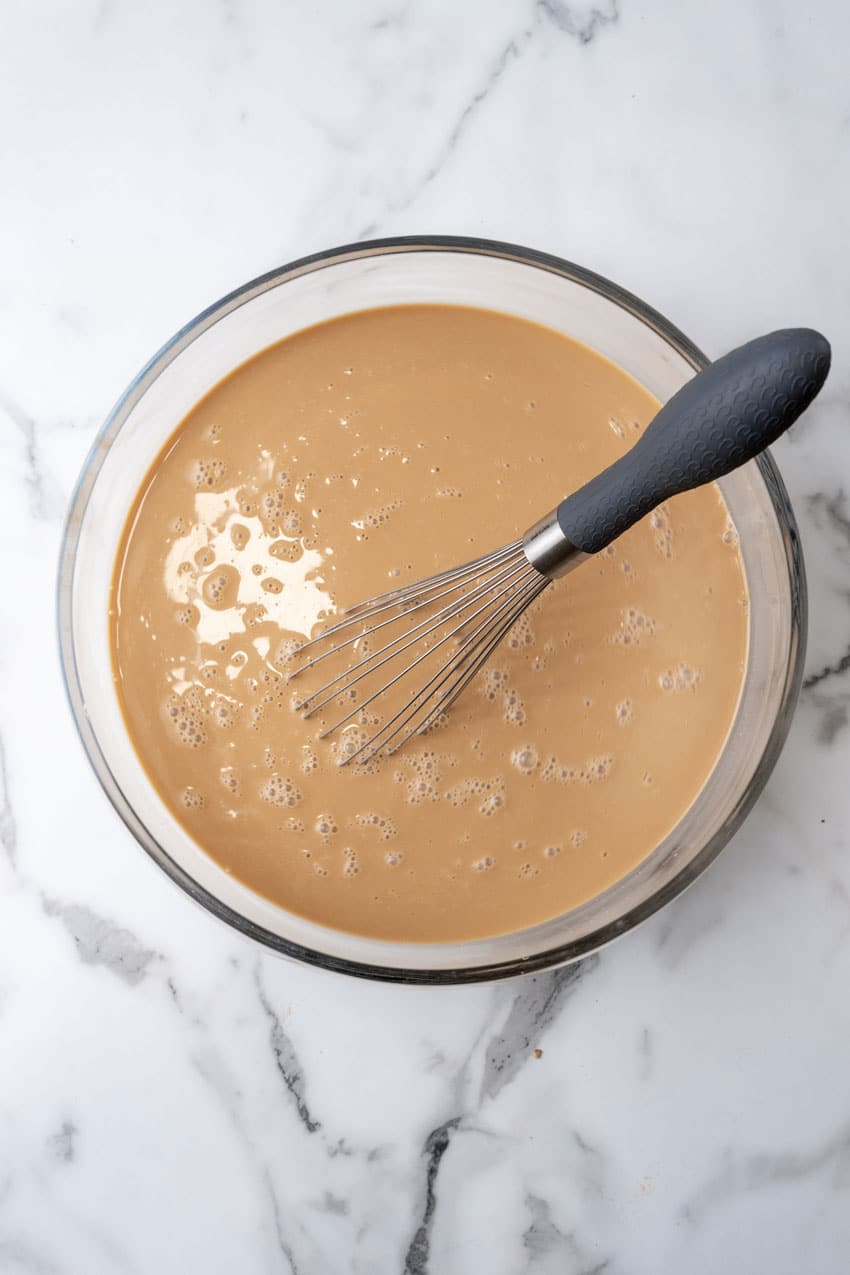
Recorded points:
(423,589)
(477,646)
(358,708)
(369,663)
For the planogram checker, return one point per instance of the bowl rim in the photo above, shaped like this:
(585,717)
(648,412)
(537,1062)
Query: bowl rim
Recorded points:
(560,954)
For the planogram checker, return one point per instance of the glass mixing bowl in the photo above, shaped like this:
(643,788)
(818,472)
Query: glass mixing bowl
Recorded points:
(457,271)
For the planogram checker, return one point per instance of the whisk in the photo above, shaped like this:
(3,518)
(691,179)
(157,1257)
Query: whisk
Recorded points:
(722,418)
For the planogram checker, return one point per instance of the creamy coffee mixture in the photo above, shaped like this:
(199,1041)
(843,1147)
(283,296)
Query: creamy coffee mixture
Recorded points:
(352,458)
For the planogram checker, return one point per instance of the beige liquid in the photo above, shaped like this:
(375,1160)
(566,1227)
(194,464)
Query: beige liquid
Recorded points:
(371,451)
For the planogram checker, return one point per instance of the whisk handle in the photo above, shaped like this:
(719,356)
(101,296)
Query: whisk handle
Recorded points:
(722,418)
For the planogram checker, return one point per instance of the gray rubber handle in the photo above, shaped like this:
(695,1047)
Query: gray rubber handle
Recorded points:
(725,416)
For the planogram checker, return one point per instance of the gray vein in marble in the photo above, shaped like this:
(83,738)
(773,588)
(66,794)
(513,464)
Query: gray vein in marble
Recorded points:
(216,1073)
(390,21)
(762,1171)
(333,1204)
(835,508)
(19,1255)
(593,1177)
(286,1059)
(685,923)
(102,942)
(278,1224)
(567,19)
(8,828)
(840,666)
(646,1055)
(584,28)
(45,501)
(436,1146)
(542,1238)
(61,1145)
(534,1007)
(830,511)
(551,1248)
(512,50)
(835,715)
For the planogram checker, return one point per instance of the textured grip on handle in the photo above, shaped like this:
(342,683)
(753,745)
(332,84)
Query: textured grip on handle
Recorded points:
(725,416)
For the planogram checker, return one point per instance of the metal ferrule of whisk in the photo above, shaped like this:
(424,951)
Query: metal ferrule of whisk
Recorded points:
(467,610)
(549,550)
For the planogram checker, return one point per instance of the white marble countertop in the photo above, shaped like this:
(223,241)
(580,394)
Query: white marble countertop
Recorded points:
(172,1100)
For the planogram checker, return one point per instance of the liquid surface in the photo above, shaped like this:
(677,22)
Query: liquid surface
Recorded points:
(348,460)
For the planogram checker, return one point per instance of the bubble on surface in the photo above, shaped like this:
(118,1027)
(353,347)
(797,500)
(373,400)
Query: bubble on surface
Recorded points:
(253,614)
(377,517)
(220,587)
(302,486)
(616,428)
(229,779)
(188,616)
(623,712)
(285,650)
(491,682)
(578,837)
(385,828)
(554,770)
(278,790)
(492,803)
(528,871)
(205,556)
(514,708)
(347,743)
(290,523)
(597,768)
(681,678)
(325,826)
(239,535)
(208,473)
(525,760)
(225,712)
(350,863)
(272,585)
(192,799)
(187,715)
(730,535)
(484,864)
(659,521)
(286,550)
(393,858)
(421,773)
(551,852)
(635,628)
(520,634)
(309,759)
(294,824)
